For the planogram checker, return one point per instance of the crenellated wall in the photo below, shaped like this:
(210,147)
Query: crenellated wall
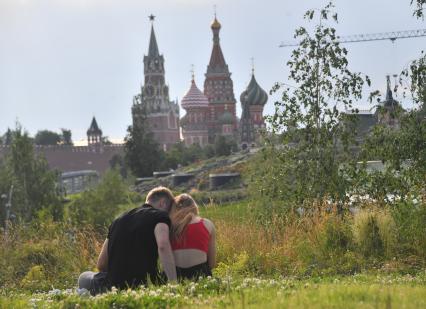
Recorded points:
(76,158)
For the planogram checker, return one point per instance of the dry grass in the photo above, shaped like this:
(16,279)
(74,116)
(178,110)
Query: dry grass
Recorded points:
(319,243)
(50,254)
(288,248)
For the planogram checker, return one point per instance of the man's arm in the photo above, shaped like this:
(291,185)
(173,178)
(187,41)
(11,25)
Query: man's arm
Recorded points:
(102,264)
(165,253)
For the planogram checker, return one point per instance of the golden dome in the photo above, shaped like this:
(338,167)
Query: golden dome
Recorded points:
(215,24)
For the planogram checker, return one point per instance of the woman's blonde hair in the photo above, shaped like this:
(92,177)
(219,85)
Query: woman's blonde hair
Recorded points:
(181,214)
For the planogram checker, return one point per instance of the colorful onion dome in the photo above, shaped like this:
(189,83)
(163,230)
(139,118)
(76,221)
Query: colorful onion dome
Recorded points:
(194,97)
(215,24)
(226,118)
(254,94)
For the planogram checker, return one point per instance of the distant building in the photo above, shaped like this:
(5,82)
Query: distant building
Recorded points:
(162,114)
(387,113)
(389,110)
(364,121)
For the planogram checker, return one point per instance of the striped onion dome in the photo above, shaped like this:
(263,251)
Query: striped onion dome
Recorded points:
(194,98)
(254,94)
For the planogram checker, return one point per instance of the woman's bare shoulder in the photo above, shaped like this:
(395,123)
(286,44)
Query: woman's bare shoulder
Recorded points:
(209,225)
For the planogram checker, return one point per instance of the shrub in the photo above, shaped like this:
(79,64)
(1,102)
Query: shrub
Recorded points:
(34,184)
(218,197)
(97,207)
(324,244)
(35,279)
(410,218)
(43,255)
(336,235)
(375,233)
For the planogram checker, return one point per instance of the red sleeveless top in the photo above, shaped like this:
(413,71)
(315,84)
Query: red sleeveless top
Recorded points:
(195,236)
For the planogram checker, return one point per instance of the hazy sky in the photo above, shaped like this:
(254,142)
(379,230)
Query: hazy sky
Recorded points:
(63,61)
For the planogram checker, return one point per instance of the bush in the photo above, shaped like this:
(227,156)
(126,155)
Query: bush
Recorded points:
(218,197)
(35,279)
(410,218)
(336,235)
(43,255)
(97,207)
(34,184)
(324,244)
(375,233)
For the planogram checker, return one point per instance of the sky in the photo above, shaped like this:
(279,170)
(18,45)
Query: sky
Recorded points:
(64,61)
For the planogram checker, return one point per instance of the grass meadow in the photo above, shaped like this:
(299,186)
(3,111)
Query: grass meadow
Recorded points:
(321,261)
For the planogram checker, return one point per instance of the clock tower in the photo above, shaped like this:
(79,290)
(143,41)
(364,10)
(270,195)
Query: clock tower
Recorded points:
(162,115)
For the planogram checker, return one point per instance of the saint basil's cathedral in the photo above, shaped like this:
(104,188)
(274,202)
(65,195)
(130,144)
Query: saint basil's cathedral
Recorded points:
(209,113)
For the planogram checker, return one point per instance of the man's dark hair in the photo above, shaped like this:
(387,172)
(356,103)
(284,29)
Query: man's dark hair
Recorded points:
(158,193)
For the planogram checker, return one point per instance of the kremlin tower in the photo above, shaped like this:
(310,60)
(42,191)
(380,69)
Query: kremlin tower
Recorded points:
(153,103)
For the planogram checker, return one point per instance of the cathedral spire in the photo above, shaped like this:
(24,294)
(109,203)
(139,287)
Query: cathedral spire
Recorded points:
(153,47)
(252,66)
(217,61)
(192,73)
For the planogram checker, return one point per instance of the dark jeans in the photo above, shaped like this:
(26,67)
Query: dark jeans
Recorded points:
(194,272)
(96,283)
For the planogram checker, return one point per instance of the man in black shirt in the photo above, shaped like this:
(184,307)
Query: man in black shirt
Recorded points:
(135,241)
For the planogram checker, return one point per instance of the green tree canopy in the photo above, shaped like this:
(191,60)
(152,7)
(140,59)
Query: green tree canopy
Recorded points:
(99,206)
(180,155)
(46,137)
(224,146)
(66,137)
(106,141)
(8,137)
(118,163)
(306,164)
(404,150)
(34,183)
(142,153)
(419,8)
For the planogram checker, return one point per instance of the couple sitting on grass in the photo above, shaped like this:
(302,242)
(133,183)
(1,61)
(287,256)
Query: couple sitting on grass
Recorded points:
(164,228)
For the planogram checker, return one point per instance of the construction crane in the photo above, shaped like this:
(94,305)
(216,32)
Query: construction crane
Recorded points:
(392,36)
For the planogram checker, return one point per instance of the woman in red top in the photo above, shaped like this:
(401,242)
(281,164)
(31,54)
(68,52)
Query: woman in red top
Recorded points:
(193,239)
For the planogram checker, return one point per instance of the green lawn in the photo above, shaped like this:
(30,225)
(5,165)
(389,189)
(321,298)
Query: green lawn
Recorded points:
(229,212)
(358,291)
